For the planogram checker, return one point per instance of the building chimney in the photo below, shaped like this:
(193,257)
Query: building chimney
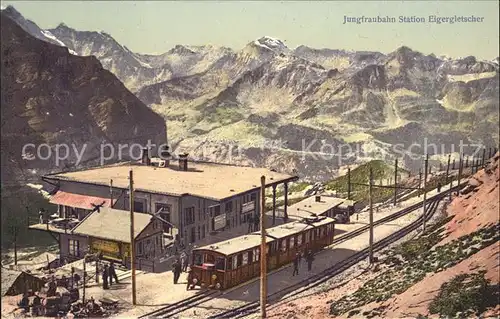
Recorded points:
(166,156)
(145,159)
(183,162)
(318,198)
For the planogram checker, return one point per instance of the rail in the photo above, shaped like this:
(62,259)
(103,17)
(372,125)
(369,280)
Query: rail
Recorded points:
(310,282)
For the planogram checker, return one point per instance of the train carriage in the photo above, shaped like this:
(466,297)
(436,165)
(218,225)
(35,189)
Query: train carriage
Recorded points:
(229,263)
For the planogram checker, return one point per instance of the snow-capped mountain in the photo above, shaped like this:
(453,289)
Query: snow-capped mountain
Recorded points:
(267,91)
(31,27)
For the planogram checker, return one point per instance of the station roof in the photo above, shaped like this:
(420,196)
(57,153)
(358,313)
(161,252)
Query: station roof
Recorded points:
(207,180)
(309,206)
(245,242)
(112,224)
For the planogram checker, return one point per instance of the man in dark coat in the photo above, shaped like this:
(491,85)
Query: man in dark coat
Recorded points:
(105,276)
(112,273)
(37,305)
(24,304)
(189,278)
(296,264)
(309,259)
(176,268)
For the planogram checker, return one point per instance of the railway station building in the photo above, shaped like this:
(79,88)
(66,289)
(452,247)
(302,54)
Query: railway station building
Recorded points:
(192,202)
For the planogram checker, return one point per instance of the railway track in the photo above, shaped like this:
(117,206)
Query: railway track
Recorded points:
(338,268)
(183,305)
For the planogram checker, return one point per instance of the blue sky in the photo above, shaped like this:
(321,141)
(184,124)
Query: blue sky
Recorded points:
(157,26)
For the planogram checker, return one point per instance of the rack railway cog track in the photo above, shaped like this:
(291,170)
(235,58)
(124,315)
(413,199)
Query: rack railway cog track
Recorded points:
(308,283)
(178,307)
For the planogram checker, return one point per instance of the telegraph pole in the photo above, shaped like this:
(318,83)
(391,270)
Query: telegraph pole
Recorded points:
(395,181)
(448,168)
(371,214)
(425,186)
(460,167)
(15,245)
(348,183)
(263,260)
(132,236)
(111,193)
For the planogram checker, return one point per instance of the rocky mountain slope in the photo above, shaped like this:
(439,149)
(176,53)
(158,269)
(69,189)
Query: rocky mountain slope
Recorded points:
(50,96)
(266,103)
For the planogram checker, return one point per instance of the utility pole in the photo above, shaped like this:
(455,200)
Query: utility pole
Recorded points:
(15,245)
(448,169)
(132,235)
(370,199)
(274,204)
(395,181)
(425,187)
(84,276)
(419,180)
(467,161)
(348,183)
(111,193)
(263,260)
(460,167)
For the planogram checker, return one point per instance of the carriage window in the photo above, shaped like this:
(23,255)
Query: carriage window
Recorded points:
(239,259)
(256,254)
(250,256)
(292,242)
(245,259)
(307,236)
(198,259)
(283,245)
(209,259)
(235,262)
(220,263)
(299,240)
(267,250)
(230,263)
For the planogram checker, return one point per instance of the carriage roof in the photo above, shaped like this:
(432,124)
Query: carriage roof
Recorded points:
(242,243)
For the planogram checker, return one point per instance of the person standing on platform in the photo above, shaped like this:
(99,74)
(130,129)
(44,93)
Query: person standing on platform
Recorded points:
(112,273)
(189,278)
(309,259)
(296,264)
(105,276)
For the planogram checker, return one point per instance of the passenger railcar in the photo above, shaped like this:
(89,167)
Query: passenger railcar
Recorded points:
(229,263)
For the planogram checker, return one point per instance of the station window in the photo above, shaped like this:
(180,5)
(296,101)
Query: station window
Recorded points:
(244,260)
(220,263)
(74,247)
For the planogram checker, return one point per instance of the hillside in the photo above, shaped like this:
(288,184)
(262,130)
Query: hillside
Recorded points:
(51,97)
(451,270)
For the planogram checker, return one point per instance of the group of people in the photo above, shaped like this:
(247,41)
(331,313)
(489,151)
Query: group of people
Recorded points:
(181,265)
(108,274)
(309,257)
(36,305)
